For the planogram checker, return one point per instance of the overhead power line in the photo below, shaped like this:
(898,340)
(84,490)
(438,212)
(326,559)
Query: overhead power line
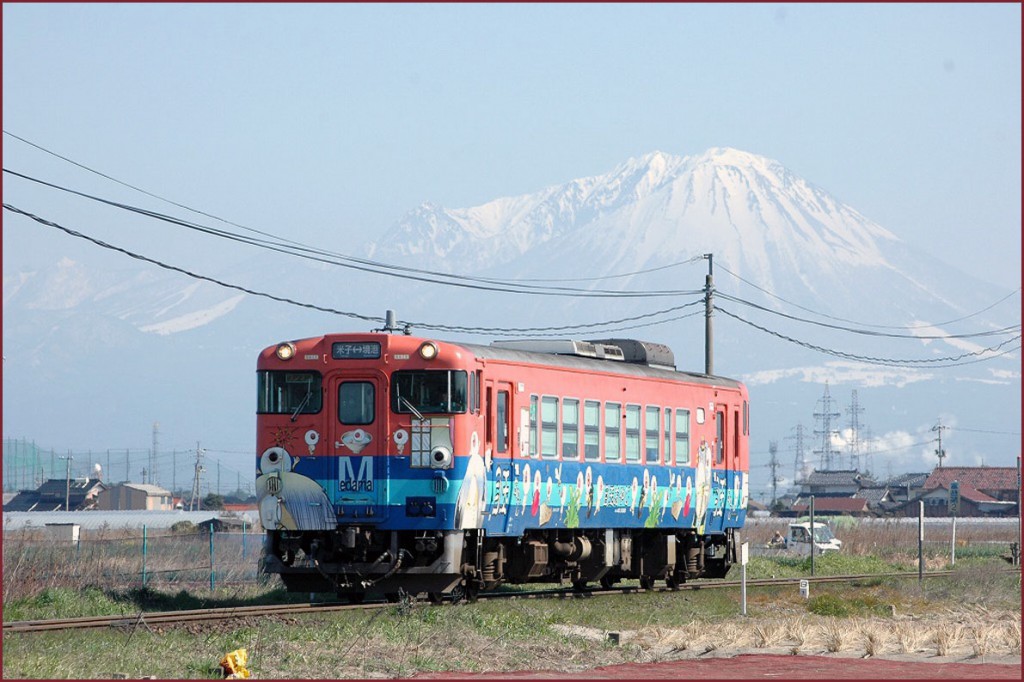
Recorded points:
(865,332)
(955,361)
(334,311)
(866,324)
(365,265)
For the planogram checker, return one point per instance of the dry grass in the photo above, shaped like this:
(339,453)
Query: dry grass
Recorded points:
(115,559)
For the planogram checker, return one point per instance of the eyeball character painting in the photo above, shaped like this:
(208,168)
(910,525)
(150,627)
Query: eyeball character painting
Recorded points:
(356,440)
(287,500)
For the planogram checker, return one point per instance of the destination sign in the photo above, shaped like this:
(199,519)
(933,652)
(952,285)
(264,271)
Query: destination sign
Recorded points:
(350,350)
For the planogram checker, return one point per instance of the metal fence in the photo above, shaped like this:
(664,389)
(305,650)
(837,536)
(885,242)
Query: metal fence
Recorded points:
(197,560)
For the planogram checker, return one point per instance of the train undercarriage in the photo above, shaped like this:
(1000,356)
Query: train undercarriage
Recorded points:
(357,562)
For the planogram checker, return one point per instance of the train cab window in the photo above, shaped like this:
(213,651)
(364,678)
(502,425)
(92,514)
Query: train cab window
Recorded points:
(534,413)
(549,427)
(683,437)
(612,432)
(434,391)
(632,433)
(592,430)
(719,437)
(289,392)
(652,433)
(502,415)
(474,392)
(355,402)
(570,428)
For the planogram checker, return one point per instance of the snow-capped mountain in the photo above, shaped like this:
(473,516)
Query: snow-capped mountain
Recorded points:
(778,242)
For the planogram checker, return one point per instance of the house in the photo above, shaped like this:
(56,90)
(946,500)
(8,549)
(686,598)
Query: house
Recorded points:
(999,483)
(58,494)
(833,506)
(135,496)
(906,486)
(839,483)
(984,491)
(880,498)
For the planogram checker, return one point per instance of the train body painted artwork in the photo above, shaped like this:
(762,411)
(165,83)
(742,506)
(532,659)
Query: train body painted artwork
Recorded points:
(389,463)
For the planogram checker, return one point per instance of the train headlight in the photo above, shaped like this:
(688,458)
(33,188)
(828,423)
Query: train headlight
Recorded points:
(440,457)
(285,351)
(428,350)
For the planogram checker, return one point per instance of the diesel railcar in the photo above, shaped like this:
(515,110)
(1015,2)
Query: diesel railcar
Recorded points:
(389,463)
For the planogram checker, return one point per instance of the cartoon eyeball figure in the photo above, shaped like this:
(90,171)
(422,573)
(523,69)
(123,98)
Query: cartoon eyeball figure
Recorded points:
(275,459)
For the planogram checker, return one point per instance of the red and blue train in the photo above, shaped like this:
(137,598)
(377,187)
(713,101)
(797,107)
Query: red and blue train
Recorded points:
(389,463)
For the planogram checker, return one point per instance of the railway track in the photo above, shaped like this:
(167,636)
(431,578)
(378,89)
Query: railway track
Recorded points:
(149,619)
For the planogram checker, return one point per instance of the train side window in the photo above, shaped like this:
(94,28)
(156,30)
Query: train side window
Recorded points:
(502,443)
(356,402)
(489,402)
(612,432)
(592,430)
(668,435)
(719,437)
(570,428)
(549,427)
(746,418)
(683,438)
(632,433)
(533,426)
(652,432)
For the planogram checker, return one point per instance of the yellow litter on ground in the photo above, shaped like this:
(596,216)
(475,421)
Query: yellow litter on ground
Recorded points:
(233,664)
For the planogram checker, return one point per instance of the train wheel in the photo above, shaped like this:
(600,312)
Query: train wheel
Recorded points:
(672,582)
(608,583)
(579,585)
(435,597)
(646,582)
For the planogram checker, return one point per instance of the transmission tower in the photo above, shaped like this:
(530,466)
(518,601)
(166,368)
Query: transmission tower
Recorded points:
(153,455)
(799,461)
(825,416)
(853,447)
(195,501)
(773,448)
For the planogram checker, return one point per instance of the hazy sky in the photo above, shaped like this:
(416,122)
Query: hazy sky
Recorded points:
(328,122)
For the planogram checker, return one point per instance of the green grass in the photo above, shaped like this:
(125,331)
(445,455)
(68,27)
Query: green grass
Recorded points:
(492,635)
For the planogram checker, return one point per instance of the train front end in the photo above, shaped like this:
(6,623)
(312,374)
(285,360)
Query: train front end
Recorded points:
(367,479)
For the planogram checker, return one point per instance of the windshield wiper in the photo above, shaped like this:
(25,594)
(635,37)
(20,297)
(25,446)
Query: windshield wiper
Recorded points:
(309,394)
(403,401)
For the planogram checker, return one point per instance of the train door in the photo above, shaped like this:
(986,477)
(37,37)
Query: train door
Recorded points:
(360,441)
(498,447)
(720,469)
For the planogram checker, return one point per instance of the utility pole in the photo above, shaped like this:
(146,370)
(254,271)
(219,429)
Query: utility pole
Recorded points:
(709,335)
(773,448)
(940,452)
(195,502)
(67,482)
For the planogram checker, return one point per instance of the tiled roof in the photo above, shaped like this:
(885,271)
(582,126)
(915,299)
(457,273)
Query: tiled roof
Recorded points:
(844,477)
(835,504)
(969,493)
(903,480)
(981,478)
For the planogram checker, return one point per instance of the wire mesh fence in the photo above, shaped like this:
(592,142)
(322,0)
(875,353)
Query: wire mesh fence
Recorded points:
(196,559)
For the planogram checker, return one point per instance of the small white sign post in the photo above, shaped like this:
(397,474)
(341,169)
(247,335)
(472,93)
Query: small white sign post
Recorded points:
(743,578)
